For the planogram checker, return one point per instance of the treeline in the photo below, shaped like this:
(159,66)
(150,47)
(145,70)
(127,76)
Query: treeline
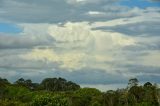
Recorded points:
(60,92)
(48,84)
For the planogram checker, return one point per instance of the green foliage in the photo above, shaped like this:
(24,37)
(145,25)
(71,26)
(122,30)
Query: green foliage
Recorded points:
(109,98)
(59,92)
(60,84)
(49,100)
(85,97)
(96,103)
(88,92)
(7,102)
(3,82)
(27,83)
(14,91)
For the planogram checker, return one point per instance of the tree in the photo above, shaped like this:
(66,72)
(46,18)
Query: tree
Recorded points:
(151,93)
(109,98)
(121,97)
(72,86)
(85,96)
(20,82)
(147,84)
(60,84)
(133,82)
(26,83)
(136,94)
(3,82)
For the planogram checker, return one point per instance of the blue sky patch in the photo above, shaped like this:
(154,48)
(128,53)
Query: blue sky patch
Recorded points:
(140,3)
(9,28)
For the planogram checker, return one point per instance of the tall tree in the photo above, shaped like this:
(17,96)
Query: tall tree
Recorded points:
(133,82)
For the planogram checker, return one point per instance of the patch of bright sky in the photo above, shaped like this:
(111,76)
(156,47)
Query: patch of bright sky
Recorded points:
(9,28)
(140,3)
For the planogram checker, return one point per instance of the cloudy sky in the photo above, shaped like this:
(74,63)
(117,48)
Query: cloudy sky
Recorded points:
(96,43)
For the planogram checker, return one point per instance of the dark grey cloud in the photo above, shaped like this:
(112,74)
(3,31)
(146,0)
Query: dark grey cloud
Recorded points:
(35,11)
(147,28)
(138,68)
(21,41)
(82,76)
(54,11)
(149,78)
(143,46)
(142,72)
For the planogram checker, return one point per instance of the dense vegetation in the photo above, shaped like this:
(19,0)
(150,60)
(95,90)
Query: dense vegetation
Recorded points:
(59,92)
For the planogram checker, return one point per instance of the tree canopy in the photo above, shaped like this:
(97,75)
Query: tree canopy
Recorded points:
(60,92)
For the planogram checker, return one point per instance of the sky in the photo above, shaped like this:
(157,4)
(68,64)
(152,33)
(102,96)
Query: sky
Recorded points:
(95,43)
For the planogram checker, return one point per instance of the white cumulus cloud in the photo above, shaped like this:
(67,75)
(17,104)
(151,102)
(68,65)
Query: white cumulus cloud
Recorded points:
(81,46)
